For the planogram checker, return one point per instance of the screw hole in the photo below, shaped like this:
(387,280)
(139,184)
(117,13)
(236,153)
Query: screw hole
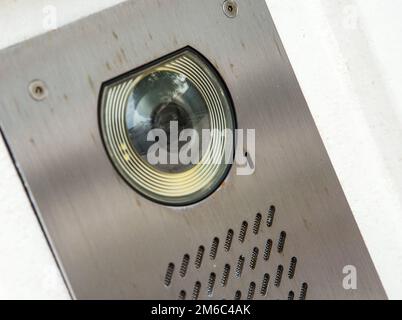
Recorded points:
(37,90)
(230,8)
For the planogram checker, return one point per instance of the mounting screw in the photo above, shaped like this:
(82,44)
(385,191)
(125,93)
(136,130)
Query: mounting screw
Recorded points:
(38,90)
(230,8)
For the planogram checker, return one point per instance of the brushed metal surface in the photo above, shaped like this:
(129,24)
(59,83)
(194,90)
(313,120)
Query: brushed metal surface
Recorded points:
(113,243)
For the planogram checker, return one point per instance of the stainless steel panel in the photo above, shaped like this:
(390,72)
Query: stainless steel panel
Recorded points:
(113,243)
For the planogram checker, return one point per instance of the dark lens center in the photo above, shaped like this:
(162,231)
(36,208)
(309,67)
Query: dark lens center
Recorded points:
(168,113)
(166,101)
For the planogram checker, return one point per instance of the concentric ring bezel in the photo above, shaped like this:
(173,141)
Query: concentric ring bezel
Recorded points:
(173,189)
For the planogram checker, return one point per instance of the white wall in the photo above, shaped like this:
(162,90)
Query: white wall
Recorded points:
(346,57)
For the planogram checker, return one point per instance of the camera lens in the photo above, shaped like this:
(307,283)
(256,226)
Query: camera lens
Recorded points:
(166,107)
(159,100)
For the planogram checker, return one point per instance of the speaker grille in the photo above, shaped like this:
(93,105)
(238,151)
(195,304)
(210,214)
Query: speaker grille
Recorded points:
(249,265)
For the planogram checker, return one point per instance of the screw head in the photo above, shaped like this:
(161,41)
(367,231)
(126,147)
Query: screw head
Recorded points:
(38,90)
(230,8)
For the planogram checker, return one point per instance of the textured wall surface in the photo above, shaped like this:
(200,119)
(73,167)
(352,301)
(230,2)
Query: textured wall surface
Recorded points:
(346,55)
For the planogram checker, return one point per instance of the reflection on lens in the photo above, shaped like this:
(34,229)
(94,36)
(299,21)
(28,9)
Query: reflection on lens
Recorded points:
(181,94)
(159,99)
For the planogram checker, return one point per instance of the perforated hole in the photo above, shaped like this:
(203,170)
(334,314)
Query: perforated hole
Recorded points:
(278,277)
(292,268)
(281,241)
(271,216)
(243,231)
(199,257)
(267,249)
(220,259)
(237,295)
(264,284)
(182,295)
(254,258)
(225,275)
(196,290)
(211,284)
(240,266)
(303,291)
(169,274)
(184,265)
(291,295)
(257,223)
(251,291)
(214,249)
(229,239)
